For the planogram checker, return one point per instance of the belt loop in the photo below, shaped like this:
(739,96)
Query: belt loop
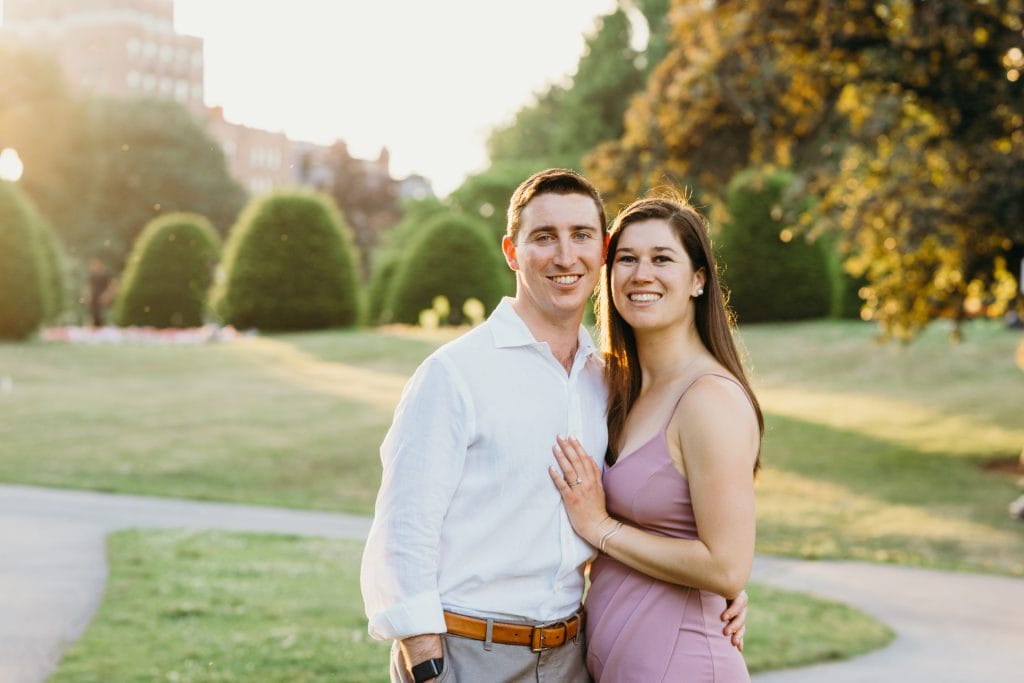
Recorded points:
(488,642)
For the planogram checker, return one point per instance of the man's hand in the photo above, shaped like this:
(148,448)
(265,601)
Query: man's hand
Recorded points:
(416,649)
(735,616)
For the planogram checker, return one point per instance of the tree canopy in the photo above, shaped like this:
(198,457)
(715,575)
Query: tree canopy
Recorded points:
(905,118)
(567,121)
(99,169)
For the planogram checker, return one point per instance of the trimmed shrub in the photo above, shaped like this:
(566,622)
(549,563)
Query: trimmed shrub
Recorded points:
(772,271)
(24,275)
(846,301)
(387,261)
(289,264)
(168,273)
(452,256)
(55,272)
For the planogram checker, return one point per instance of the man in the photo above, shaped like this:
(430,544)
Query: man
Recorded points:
(471,565)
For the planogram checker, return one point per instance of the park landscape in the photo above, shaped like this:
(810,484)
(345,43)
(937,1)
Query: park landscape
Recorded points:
(865,196)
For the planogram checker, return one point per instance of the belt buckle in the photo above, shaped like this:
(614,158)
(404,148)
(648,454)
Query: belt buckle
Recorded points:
(537,636)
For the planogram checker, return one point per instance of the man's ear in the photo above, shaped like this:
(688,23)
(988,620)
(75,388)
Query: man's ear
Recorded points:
(509,249)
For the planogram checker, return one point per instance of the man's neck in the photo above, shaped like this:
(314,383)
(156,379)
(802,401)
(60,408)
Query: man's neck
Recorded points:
(559,333)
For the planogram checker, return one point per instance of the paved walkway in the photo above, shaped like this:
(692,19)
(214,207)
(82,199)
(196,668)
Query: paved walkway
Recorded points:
(951,627)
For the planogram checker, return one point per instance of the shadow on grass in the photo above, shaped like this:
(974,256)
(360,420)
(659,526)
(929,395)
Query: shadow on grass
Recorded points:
(827,492)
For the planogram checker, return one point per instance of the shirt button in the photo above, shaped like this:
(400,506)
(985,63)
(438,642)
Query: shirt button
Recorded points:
(558,586)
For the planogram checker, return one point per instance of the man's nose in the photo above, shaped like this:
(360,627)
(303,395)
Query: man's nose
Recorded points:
(564,256)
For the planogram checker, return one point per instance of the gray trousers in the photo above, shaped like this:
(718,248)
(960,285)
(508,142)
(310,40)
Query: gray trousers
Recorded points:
(466,661)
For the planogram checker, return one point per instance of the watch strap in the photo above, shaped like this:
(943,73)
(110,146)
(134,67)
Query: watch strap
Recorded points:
(424,671)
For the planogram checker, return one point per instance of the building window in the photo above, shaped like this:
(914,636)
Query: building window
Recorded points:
(149,82)
(166,53)
(133,46)
(166,86)
(181,91)
(132,79)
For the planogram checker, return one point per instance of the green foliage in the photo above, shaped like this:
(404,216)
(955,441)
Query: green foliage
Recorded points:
(903,118)
(289,264)
(388,258)
(24,274)
(168,273)
(366,195)
(485,195)
(846,301)
(452,257)
(121,164)
(772,273)
(567,122)
(55,267)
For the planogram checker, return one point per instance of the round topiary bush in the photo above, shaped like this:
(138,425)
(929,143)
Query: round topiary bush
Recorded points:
(289,265)
(416,213)
(55,271)
(168,273)
(772,271)
(24,275)
(452,256)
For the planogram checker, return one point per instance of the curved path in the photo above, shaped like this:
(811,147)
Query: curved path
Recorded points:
(950,626)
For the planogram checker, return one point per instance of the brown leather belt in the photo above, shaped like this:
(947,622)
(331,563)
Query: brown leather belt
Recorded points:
(539,638)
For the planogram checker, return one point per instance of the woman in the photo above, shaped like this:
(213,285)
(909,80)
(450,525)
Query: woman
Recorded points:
(674,517)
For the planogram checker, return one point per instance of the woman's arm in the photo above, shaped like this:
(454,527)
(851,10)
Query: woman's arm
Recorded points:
(717,431)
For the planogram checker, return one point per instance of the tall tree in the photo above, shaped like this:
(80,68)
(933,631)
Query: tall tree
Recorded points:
(566,122)
(146,157)
(366,194)
(905,118)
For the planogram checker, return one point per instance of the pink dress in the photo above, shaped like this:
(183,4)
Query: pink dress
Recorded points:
(640,628)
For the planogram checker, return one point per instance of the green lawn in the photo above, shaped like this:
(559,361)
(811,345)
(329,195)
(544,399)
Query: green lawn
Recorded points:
(217,607)
(872,452)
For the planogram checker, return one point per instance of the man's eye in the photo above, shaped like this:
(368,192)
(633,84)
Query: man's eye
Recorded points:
(581,236)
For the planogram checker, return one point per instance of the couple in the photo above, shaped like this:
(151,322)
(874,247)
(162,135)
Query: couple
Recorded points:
(492,500)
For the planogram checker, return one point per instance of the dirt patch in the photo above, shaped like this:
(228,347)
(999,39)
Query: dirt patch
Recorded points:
(1007,466)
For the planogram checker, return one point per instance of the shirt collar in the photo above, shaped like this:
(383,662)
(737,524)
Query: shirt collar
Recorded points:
(509,330)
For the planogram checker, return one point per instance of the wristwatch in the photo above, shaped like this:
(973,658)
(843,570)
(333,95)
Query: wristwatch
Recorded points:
(424,671)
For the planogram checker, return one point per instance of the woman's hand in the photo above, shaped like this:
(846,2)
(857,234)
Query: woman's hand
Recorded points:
(579,482)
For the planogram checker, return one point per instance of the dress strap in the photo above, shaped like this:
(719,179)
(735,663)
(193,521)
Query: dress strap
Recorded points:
(696,379)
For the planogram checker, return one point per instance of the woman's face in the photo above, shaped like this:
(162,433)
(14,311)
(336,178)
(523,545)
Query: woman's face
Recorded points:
(653,281)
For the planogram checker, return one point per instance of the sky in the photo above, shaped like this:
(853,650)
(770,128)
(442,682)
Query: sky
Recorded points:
(426,79)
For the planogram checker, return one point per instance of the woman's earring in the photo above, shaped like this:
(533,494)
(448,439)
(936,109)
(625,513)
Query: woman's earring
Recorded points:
(700,291)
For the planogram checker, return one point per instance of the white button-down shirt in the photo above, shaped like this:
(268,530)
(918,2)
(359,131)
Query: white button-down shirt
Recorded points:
(467,518)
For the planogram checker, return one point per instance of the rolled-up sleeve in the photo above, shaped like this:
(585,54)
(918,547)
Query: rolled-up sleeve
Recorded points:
(423,456)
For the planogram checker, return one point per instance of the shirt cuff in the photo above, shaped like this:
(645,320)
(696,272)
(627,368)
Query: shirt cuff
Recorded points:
(412,617)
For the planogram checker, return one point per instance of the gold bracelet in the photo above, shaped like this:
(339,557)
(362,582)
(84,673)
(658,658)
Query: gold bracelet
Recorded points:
(609,534)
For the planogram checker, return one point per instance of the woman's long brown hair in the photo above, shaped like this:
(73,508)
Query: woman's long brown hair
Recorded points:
(714,320)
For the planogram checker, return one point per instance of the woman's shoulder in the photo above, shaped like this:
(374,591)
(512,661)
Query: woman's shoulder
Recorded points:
(714,395)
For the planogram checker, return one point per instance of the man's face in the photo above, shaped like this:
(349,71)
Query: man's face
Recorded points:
(558,254)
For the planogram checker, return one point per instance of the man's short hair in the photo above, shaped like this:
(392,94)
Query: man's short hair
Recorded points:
(551,181)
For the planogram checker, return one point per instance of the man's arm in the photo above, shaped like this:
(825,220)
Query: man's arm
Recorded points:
(423,457)
(416,649)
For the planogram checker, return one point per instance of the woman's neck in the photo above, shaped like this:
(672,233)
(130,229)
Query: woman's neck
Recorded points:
(667,353)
